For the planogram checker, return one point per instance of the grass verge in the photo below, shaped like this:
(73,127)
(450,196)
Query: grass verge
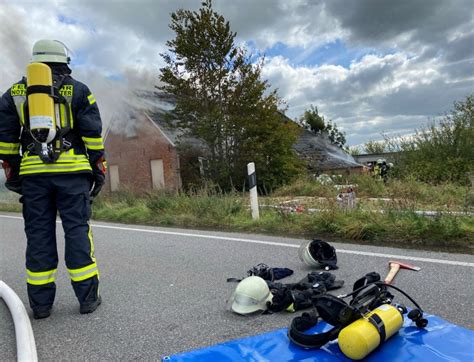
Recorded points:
(396,227)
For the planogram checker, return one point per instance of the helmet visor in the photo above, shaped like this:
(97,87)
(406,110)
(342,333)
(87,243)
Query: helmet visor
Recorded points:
(243,304)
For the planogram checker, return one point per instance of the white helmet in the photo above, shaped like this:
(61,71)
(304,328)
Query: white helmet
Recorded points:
(49,51)
(318,253)
(251,295)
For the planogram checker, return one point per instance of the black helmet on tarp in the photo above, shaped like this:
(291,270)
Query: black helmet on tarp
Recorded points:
(318,253)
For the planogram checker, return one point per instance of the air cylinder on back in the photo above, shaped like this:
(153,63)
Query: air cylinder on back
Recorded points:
(40,103)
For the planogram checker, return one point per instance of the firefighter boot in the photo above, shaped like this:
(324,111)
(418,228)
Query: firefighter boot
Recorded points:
(41,313)
(90,307)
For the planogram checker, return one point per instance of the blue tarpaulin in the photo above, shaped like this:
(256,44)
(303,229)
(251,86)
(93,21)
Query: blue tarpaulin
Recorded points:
(439,341)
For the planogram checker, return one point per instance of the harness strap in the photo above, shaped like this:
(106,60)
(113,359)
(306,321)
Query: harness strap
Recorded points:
(20,108)
(332,310)
(367,279)
(65,139)
(42,89)
(301,324)
(378,323)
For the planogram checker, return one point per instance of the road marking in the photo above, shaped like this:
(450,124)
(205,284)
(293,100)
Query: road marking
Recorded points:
(263,242)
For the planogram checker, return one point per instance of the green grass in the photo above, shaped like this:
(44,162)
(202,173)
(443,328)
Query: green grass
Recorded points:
(10,206)
(184,210)
(398,226)
(406,193)
(395,227)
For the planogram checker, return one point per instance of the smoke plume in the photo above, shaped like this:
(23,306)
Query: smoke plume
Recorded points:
(16,49)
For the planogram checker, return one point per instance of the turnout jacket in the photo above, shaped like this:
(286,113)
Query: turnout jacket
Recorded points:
(85,129)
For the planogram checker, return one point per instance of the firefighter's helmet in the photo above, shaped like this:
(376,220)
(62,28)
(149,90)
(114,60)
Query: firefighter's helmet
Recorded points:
(251,295)
(50,51)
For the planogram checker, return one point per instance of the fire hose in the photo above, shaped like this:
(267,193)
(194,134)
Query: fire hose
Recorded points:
(25,340)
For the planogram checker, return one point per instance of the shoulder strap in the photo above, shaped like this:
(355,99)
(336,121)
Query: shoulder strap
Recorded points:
(65,94)
(18,93)
(62,95)
(332,310)
(301,324)
(366,279)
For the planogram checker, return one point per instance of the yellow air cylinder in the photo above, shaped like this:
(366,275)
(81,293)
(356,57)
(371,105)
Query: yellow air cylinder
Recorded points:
(41,105)
(361,337)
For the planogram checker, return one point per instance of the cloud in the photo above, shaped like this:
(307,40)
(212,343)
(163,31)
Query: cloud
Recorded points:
(371,66)
(459,48)
(14,42)
(386,21)
(391,93)
(99,54)
(297,22)
(302,23)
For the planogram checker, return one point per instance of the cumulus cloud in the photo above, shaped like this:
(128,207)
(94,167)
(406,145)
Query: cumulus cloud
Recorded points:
(392,93)
(410,59)
(424,62)
(15,44)
(392,22)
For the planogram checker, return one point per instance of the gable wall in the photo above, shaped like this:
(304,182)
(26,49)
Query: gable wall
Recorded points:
(132,155)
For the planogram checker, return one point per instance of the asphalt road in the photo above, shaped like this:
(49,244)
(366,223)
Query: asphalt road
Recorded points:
(164,290)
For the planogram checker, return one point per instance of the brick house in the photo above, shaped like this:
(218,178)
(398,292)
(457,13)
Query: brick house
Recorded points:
(141,155)
(145,153)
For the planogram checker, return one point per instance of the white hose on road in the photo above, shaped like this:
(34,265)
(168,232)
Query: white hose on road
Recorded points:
(25,340)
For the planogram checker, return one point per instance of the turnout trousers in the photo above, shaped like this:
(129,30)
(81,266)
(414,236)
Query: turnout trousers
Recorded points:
(44,196)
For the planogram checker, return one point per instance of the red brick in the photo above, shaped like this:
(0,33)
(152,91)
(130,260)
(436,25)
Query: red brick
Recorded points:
(132,155)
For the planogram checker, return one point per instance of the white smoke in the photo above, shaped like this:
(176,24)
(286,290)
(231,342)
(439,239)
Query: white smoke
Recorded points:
(125,100)
(16,49)
(114,89)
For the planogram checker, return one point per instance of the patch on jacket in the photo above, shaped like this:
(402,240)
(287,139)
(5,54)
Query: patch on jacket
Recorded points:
(66,90)
(18,89)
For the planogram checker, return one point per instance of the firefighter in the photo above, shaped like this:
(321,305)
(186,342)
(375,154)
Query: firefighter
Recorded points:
(384,171)
(377,169)
(56,162)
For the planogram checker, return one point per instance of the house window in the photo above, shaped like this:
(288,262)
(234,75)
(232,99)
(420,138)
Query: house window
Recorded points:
(114,177)
(157,174)
(130,129)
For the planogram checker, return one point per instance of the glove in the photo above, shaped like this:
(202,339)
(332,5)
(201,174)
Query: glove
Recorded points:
(12,174)
(265,272)
(98,175)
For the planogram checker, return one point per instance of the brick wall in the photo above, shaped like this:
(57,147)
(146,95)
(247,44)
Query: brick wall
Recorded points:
(132,154)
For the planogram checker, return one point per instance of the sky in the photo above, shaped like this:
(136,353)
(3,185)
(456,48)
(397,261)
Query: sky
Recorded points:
(372,66)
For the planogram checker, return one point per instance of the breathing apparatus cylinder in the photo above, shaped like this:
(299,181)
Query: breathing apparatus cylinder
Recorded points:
(361,337)
(41,104)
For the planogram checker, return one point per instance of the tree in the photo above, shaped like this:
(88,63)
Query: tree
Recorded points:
(442,152)
(222,100)
(314,122)
(374,147)
(336,136)
(354,151)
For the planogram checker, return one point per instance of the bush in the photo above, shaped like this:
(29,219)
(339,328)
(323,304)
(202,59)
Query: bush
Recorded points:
(442,152)
(305,186)
(398,224)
